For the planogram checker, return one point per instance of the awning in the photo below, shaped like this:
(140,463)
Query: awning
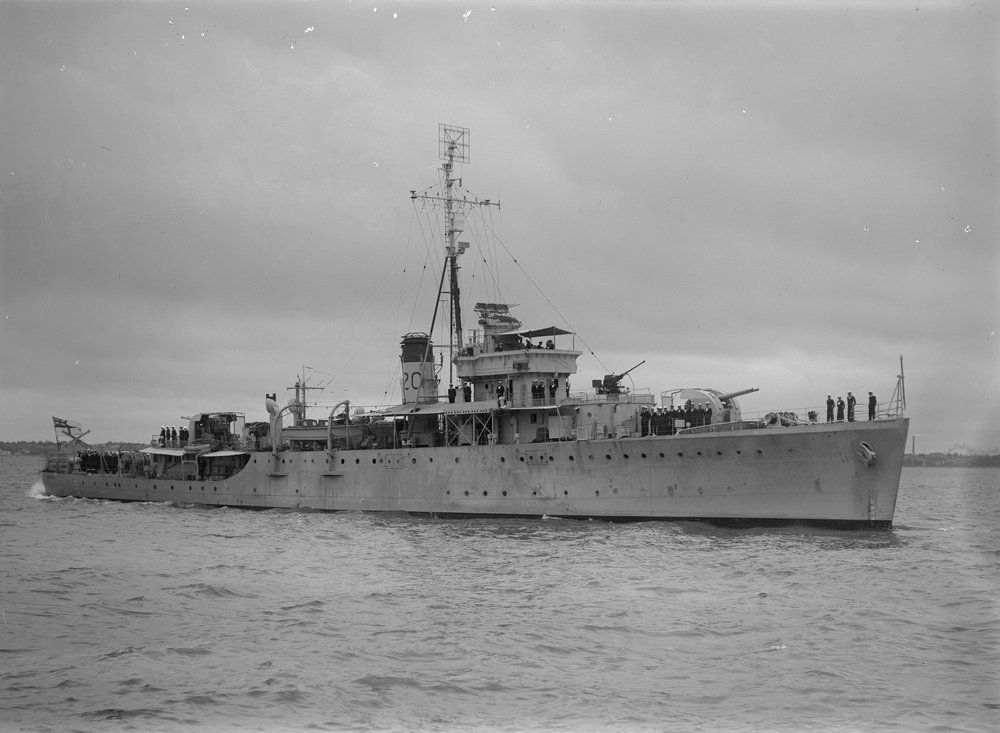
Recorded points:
(547,331)
(223,454)
(163,452)
(439,408)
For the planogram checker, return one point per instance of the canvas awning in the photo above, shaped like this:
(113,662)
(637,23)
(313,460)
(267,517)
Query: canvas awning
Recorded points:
(163,452)
(441,408)
(547,331)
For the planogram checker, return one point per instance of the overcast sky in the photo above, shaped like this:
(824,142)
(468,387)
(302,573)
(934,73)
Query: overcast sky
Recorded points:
(197,200)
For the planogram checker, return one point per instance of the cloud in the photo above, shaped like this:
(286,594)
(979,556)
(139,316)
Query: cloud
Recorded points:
(197,204)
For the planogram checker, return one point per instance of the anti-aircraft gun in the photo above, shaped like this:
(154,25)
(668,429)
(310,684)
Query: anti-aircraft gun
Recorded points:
(611,384)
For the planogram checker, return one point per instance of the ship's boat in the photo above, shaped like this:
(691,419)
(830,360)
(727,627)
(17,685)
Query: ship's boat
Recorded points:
(509,436)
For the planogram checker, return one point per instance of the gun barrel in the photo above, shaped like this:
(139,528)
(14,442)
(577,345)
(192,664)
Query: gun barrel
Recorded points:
(635,367)
(740,393)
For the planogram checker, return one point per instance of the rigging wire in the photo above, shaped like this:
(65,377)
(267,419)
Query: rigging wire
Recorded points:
(547,300)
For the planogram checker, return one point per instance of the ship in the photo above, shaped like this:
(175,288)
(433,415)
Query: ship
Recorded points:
(508,436)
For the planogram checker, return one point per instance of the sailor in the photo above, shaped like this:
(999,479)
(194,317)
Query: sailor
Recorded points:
(872,403)
(163,435)
(829,408)
(851,402)
(550,344)
(840,409)
(173,434)
(467,392)
(452,393)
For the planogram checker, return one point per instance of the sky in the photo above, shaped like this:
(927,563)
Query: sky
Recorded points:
(201,201)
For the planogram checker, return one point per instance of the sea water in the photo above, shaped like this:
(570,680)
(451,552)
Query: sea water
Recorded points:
(161,617)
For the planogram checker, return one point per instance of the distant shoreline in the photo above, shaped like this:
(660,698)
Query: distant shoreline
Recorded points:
(950,460)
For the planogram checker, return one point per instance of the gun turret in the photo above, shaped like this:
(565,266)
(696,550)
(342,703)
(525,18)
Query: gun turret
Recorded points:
(611,384)
(740,393)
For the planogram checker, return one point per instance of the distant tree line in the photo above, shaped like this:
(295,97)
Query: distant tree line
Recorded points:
(951,460)
(48,447)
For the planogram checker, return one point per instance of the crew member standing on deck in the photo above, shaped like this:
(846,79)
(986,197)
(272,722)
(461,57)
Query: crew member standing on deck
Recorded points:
(851,402)
(872,403)
(840,409)
(829,408)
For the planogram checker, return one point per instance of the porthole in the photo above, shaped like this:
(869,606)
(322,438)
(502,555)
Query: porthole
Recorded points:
(414,460)
(718,452)
(760,452)
(699,453)
(551,458)
(597,493)
(522,459)
(485,493)
(431,459)
(680,454)
(626,456)
(565,493)
(374,461)
(739,452)
(466,492)
(662,456)
(503,459)
(643,455)
(505,493)
(342,461)
(456,459)
(608,456)
(357,461)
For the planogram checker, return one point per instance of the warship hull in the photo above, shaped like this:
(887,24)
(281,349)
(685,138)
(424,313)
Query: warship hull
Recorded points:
(815,474)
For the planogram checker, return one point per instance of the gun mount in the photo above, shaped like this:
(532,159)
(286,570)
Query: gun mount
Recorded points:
(611,384)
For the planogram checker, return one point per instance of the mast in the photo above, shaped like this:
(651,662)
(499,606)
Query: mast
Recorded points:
(300,388)
(453,147)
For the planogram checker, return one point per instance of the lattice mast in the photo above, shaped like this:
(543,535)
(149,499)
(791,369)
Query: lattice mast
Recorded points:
(453,147)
